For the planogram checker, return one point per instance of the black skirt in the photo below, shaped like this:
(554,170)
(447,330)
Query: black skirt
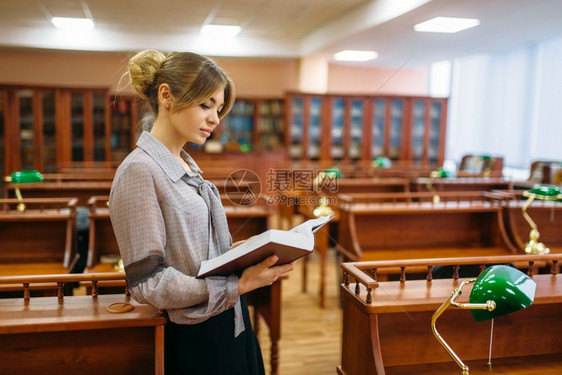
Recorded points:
(210,348)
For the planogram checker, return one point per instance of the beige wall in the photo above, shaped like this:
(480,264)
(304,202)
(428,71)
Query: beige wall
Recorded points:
(56,68)
(261,77)
(253,77)
(345,79)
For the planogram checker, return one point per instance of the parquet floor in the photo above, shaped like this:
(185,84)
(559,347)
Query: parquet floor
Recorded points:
(310,341)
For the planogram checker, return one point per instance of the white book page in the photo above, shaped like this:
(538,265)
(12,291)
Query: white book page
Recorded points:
(310,226)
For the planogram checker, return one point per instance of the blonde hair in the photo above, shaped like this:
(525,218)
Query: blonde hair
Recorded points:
(192,78)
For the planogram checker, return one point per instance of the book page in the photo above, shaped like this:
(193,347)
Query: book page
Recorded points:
(310,226)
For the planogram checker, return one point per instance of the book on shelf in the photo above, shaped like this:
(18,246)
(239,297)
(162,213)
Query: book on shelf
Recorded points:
(287,245)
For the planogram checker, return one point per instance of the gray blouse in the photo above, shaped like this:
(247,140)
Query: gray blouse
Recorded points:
(163,226)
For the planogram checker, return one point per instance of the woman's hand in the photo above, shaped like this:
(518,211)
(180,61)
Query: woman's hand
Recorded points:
(262,274)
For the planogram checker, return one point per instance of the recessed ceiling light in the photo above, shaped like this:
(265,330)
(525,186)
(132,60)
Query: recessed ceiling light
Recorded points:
(221,30)
(446,25)
(72,23)
(355,55)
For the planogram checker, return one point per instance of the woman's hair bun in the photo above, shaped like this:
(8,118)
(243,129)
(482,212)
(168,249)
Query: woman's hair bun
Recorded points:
(143,68)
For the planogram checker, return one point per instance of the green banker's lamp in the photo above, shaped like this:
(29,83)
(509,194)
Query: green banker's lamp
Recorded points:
(438,173)
(541,192)
(382,162)
(323,209)
(498,291)
(23,177)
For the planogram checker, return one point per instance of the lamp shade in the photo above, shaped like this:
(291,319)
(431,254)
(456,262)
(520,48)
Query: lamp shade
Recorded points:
(23,177)
(508,287)
(382,161)
(546,191)
(333,172)
(439,173)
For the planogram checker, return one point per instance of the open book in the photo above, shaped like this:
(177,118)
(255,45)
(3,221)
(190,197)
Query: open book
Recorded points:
(287,245)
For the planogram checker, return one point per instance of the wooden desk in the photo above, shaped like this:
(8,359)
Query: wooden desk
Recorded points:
(40,240)
(410,225)
(391,335)
(76,335)
(79,177)
(82,190)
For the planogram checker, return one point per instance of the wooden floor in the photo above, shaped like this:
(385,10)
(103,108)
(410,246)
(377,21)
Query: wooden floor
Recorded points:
(310,336)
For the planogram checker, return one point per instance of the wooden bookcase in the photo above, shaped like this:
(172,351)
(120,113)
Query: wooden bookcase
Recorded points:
(353,127)
(43,126)
(253,124)
(125,114)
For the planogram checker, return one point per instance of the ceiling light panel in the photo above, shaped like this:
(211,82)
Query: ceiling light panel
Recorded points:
(68,23)
(446,25)
(355,55)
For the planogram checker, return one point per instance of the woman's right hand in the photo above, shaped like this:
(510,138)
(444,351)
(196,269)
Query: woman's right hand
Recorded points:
(262,274)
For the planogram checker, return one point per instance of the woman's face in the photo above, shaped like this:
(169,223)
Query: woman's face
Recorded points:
(196,123)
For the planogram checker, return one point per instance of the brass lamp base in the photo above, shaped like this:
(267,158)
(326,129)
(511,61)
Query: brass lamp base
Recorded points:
(534,246)
(21,206)
(323,209)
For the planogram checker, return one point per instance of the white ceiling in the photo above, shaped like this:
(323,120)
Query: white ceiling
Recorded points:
(284,28)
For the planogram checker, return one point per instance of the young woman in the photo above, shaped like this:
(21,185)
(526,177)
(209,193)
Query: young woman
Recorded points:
(168,219)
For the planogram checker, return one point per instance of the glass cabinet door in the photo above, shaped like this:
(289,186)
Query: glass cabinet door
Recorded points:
(379,119)
(297,127)
(25,98)
(99,127)
(395,132)
(77,126)
(121,122)
(314,127)
(270,124)
(49,159)
(238,127)
(418,129)
(338,121)
(356,130)
(435,117)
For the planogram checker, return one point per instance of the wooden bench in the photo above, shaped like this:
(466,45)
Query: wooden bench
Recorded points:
(76,335)
(412,225)
(39,240)
(243,222)
(386,325)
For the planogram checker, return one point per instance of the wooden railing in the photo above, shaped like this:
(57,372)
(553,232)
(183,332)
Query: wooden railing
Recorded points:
(60,280)
(365,273)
